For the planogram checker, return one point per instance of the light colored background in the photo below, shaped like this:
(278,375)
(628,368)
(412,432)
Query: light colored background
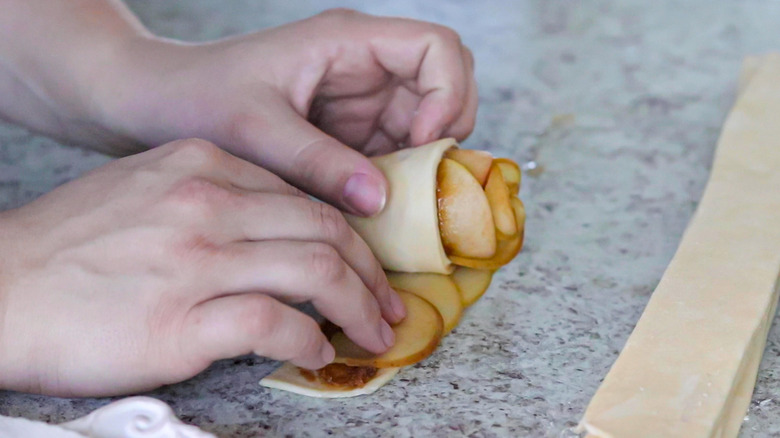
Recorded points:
(620,102)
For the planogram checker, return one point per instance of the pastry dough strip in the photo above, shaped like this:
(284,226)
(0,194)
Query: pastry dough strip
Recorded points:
(689,368)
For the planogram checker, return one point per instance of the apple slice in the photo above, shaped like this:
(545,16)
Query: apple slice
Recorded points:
(519,209)
(416,337)
(511,172)
(472,283)
(438,289)
(477,162)
(506,250)
(465,219)
(498,197)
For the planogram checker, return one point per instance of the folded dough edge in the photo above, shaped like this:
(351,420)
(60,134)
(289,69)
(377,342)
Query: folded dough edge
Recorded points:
(405,236)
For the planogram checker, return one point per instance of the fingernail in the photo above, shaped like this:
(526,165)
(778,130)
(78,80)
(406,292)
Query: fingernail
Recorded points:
(397,305)
(387,334)
(327,353)
(365,194)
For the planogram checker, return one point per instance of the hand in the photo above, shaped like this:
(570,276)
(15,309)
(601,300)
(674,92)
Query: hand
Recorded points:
(305,100)
(144,271)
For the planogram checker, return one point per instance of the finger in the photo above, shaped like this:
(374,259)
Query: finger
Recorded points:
(254,323)
(305,271)
(313,161)
(432,56)
(350,119)
(278,217)
(396,119)
(464,125)
(440,106)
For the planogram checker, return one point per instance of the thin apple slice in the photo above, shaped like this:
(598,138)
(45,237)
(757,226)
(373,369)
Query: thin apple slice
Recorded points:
(511,172)
(477,162)
(506,249)
(438,289)
(416,337)
(505,252)
(498,197)
(471,283)
(465,219)
(519,209)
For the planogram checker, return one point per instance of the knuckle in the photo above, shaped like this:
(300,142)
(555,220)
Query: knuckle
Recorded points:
(194,248)
(198,197)
(326,263)
(194,152)
(196,189)
(331,223)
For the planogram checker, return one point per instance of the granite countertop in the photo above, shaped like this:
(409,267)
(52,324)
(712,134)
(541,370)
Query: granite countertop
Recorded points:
(620,104)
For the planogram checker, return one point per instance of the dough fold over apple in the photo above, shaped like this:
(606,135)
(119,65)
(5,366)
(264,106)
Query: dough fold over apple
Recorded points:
(405,235)
(446,207)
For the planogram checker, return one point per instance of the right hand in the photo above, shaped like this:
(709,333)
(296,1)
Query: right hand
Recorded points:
(145,271)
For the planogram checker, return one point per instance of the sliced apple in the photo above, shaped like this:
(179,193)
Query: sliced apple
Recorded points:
(511,172)
(477,162)
(519,209)
(416,337)
(471,283)
(465,218)
(438,289)
(498,197)
(506,250)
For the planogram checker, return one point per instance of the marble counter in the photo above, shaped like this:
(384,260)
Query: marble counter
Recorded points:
(619,102)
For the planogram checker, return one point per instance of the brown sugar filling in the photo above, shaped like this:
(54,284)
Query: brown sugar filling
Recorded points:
(341,376)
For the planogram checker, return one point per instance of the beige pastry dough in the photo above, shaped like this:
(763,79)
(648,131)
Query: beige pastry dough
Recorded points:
(289,378)
(405,235)
(689,367)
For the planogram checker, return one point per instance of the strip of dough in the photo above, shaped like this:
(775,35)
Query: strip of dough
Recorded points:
(689,368)
(405,235)
(288,378)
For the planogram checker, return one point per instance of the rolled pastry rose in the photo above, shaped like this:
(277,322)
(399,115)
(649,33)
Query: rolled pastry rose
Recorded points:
(452,217)
(446,206)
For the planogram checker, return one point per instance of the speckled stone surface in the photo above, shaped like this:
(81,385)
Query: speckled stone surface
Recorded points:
(619,102)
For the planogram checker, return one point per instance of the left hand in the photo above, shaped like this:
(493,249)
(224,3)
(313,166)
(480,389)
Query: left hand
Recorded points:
(143,272)
(308,100)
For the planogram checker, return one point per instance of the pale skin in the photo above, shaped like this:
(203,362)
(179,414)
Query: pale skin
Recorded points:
(143,272)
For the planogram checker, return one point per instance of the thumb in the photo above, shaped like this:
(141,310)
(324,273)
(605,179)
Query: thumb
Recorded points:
(284,142)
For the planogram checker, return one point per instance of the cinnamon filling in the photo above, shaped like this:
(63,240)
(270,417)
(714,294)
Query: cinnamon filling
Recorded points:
(341,376)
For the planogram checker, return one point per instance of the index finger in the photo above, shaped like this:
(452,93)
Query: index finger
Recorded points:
(267,217)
